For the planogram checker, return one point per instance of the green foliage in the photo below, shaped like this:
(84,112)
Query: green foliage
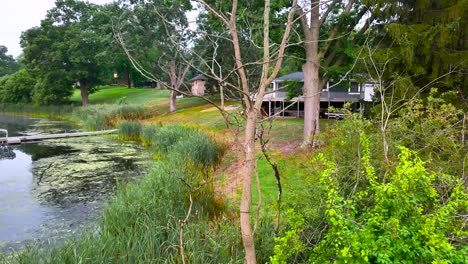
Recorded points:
(8,65)
(66,49)
(290,243)
(433,127)
(53,87)
(399,219)
(17,88)
(292,87)
(426,40)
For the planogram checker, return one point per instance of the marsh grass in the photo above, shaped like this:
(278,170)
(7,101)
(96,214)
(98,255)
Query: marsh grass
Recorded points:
(148,134)
(100,117)
(130,130)
(49,111)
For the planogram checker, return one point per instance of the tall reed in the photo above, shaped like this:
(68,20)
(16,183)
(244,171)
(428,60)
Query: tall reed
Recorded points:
(100,117)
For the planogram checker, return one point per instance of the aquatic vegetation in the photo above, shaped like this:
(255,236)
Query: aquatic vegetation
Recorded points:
(89,170)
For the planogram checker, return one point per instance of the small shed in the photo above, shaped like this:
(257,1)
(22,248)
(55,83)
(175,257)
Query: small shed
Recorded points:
(198,85)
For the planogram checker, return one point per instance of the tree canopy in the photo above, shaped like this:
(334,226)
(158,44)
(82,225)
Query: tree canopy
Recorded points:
(8,64)
(68,43)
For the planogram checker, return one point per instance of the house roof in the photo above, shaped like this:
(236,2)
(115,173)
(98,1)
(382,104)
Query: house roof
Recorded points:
(199,77)
(292,76)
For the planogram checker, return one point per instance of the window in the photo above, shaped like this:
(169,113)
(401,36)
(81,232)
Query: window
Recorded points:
(354,87)
(337,87)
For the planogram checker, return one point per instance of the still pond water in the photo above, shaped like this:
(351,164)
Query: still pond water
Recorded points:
(54,188)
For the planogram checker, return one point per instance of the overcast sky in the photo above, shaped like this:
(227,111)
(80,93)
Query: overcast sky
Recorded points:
(17,16)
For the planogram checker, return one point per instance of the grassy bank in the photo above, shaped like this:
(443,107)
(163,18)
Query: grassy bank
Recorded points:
(111,94)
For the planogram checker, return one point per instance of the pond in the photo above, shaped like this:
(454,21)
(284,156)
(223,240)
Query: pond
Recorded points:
(55,188)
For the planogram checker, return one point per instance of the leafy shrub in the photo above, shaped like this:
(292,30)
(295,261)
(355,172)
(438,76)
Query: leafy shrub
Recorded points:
(17,88)
(434,129)
(400,219)
(53,88)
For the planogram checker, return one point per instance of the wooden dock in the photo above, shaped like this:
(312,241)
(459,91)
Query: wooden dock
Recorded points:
(35,138)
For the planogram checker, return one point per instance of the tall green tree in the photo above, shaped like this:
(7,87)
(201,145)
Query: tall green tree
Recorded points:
(8,64)
(154,35)
(68,43)
(427,40)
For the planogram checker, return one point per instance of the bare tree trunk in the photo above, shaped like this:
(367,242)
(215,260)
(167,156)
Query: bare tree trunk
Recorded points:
(247,172)
(173,78)
(84,92)
(311,67)
(172,101)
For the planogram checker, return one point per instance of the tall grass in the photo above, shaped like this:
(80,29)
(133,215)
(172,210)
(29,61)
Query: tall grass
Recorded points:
(56,111)
(130,130)
(100,117)
(148,134)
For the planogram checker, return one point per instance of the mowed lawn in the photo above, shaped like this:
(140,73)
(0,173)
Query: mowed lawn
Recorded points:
(110,94)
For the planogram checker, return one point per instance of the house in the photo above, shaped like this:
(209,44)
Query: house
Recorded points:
(198,85)
(276,102)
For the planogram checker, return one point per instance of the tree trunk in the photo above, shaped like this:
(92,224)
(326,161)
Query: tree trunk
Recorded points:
(312,88)
(173,78)
(247,172)
(84,92)
(127,74)
(172,101)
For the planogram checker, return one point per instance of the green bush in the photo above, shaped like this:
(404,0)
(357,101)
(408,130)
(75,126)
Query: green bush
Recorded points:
(53,88)
(366,209)
(17,88)
(400,220)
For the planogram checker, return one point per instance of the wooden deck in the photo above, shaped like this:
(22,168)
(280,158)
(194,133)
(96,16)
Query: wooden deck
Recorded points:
(24,139)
